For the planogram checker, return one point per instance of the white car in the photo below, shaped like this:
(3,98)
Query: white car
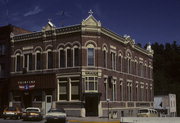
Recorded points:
(56,114)
(32,113)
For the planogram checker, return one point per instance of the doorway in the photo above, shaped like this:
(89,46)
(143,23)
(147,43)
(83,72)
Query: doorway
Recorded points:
(48,103)
(91,105)
(27,99)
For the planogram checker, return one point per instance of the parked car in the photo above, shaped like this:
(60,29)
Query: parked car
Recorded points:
(12,112)
(147,113)
(56,114)
(32,113)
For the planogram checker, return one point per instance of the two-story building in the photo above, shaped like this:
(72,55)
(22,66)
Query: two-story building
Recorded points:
(86,69)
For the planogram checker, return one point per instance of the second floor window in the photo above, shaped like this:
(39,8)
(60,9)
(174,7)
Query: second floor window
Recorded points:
(50,59)
(69,58)
(76,57)
(113,60)
(18,64)
(38,61)
(2,49)
(62,58)
(28,61)
(90,56)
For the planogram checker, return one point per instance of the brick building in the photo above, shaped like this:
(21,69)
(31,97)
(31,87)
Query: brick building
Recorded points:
(79,68)
(5,57)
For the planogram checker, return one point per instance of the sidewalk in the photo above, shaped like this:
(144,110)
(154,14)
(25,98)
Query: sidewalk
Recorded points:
(91,120)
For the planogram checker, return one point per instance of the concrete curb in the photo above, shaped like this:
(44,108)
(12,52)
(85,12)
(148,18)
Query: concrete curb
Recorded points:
(80,121)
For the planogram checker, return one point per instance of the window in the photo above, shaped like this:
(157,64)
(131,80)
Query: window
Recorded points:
(37,96)
(2,49)
(28,61)
(114,91)
(105,58)
(106,88)
(2,70)
(38,61)
(76,57)
(63,89)
(121,91)
(113,60)
(69,89)
(69,58)
(140,69)
(75,89)
(18,63)
(62,58)
(120,63)
(136,67)
(50,59)
(91,84)
(90,56)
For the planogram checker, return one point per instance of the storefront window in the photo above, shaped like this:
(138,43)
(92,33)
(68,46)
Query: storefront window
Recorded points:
(37,96)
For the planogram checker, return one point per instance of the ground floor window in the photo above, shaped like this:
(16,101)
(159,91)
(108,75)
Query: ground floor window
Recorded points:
(69,88)
(37,96)
(91,84)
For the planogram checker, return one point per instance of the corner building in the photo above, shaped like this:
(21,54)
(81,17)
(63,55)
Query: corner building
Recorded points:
(79,68)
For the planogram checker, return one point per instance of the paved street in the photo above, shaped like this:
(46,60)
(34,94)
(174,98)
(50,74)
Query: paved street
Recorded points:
(70,120)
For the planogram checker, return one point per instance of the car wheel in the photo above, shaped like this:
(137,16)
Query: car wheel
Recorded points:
(4,118)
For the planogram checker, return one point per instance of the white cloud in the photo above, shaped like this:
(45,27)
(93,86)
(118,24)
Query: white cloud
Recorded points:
(36,10)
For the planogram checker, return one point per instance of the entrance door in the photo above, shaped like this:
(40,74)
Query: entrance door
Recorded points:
(91,105)
(48,102)
(27,99)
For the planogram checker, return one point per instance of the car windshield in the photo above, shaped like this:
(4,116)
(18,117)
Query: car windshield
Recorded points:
(32,110)
(143,111)
(11,109)
(57,110)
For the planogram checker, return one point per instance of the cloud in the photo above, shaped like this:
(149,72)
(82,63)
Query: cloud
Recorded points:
(35,11)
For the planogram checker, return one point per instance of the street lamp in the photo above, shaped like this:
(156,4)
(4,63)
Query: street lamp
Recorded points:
(108,100)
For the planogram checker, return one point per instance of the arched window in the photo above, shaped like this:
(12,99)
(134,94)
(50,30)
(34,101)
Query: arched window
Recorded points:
(18,62)
(38,60)
(90,55)
(76,56)
(105,57)
(129,64)
(68,57)
(50,59)
(120,62)
(28,61)
(61,58)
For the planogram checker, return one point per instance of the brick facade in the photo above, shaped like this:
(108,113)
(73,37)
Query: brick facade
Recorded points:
(89,63)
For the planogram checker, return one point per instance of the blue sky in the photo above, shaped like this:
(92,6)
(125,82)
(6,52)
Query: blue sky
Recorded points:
(144,20)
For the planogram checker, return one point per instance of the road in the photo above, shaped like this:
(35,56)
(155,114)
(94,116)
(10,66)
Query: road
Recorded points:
(21,121)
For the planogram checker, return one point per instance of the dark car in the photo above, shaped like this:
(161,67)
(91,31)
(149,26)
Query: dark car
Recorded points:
(56,115)
(12,112)
(32,113)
